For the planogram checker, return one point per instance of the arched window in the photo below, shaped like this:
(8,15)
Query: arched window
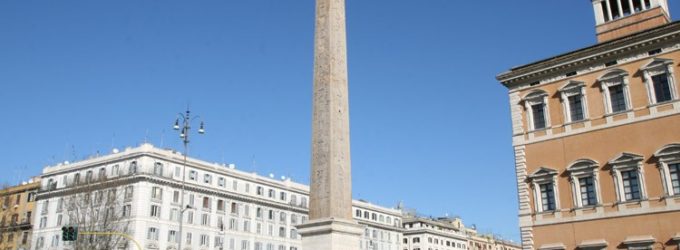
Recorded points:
(669,166)
(583,175)
(76,178)
(536,106)
(629,178)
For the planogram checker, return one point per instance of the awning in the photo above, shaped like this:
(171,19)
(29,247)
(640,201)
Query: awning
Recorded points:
(553,246)
(593,243)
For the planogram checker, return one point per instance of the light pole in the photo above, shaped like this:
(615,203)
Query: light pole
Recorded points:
(184,135)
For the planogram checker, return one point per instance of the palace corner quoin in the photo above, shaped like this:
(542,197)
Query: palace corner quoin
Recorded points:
(596,135)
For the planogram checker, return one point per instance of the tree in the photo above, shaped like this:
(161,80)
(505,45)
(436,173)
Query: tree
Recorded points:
(97,207)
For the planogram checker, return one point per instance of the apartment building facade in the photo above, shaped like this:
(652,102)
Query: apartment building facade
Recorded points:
(227,208)
(447,233)
(18,203)
(596,135)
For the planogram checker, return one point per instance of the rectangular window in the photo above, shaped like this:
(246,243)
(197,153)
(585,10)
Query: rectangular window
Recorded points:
(152,234)
(588,197)
(576,107)
(172,236)
(617,98)
(127,210)
(631,185)
(157,193)
(129,192)
(155,211)
(547,197)
(674,170)
(662,89)
(175,196)
(192,175)
(205,220)
(205,240)
(190,217)
(538,112)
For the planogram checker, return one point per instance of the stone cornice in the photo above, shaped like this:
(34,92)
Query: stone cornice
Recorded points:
(589,56)
(130,179)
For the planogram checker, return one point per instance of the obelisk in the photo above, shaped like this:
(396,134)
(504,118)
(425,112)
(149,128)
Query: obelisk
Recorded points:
(331,226)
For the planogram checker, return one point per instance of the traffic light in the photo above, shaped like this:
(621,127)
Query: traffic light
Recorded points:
(69,233)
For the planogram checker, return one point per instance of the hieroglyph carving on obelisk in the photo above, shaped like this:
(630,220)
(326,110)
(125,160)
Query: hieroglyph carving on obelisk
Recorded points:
(331,194)
(331,226)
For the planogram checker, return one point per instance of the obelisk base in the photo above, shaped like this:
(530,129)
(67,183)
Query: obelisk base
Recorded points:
(330,234)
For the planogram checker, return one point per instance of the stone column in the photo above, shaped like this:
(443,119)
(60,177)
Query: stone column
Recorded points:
(331,226)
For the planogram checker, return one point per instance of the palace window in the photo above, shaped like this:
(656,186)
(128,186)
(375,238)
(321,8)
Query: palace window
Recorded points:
(220,182)
(192,175)
(658,77)
(628,177)
(584,179)
(573,99)
(669,166)
(615,90)
(544,183)
(536,104)
(547,196)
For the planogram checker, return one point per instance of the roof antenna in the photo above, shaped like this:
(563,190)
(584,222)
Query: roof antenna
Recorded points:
(146,136)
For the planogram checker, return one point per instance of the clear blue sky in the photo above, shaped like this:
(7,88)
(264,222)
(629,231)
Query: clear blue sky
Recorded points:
(430,125)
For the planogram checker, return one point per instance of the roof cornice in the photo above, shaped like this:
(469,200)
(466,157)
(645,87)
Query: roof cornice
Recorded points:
(589,55)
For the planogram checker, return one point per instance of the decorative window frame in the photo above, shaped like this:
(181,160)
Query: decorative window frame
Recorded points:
(669,154)
(570,89)
(612,78)
(584,168)
(655,67)
(539,177)
(625,162)
(534,98)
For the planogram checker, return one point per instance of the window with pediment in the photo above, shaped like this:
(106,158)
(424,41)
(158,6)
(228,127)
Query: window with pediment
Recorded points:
(583,174)
(573,99)
(544,184)
(536,106)
(659,80)
(614,85)
(669,166)
(628,174)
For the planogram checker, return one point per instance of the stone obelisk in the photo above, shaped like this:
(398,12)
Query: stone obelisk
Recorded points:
(331,226)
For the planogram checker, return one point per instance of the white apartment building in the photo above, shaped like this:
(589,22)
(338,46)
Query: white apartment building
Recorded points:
(430,234)
(228,209)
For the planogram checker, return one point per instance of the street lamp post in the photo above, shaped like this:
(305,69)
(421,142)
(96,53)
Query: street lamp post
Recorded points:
(184,129)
